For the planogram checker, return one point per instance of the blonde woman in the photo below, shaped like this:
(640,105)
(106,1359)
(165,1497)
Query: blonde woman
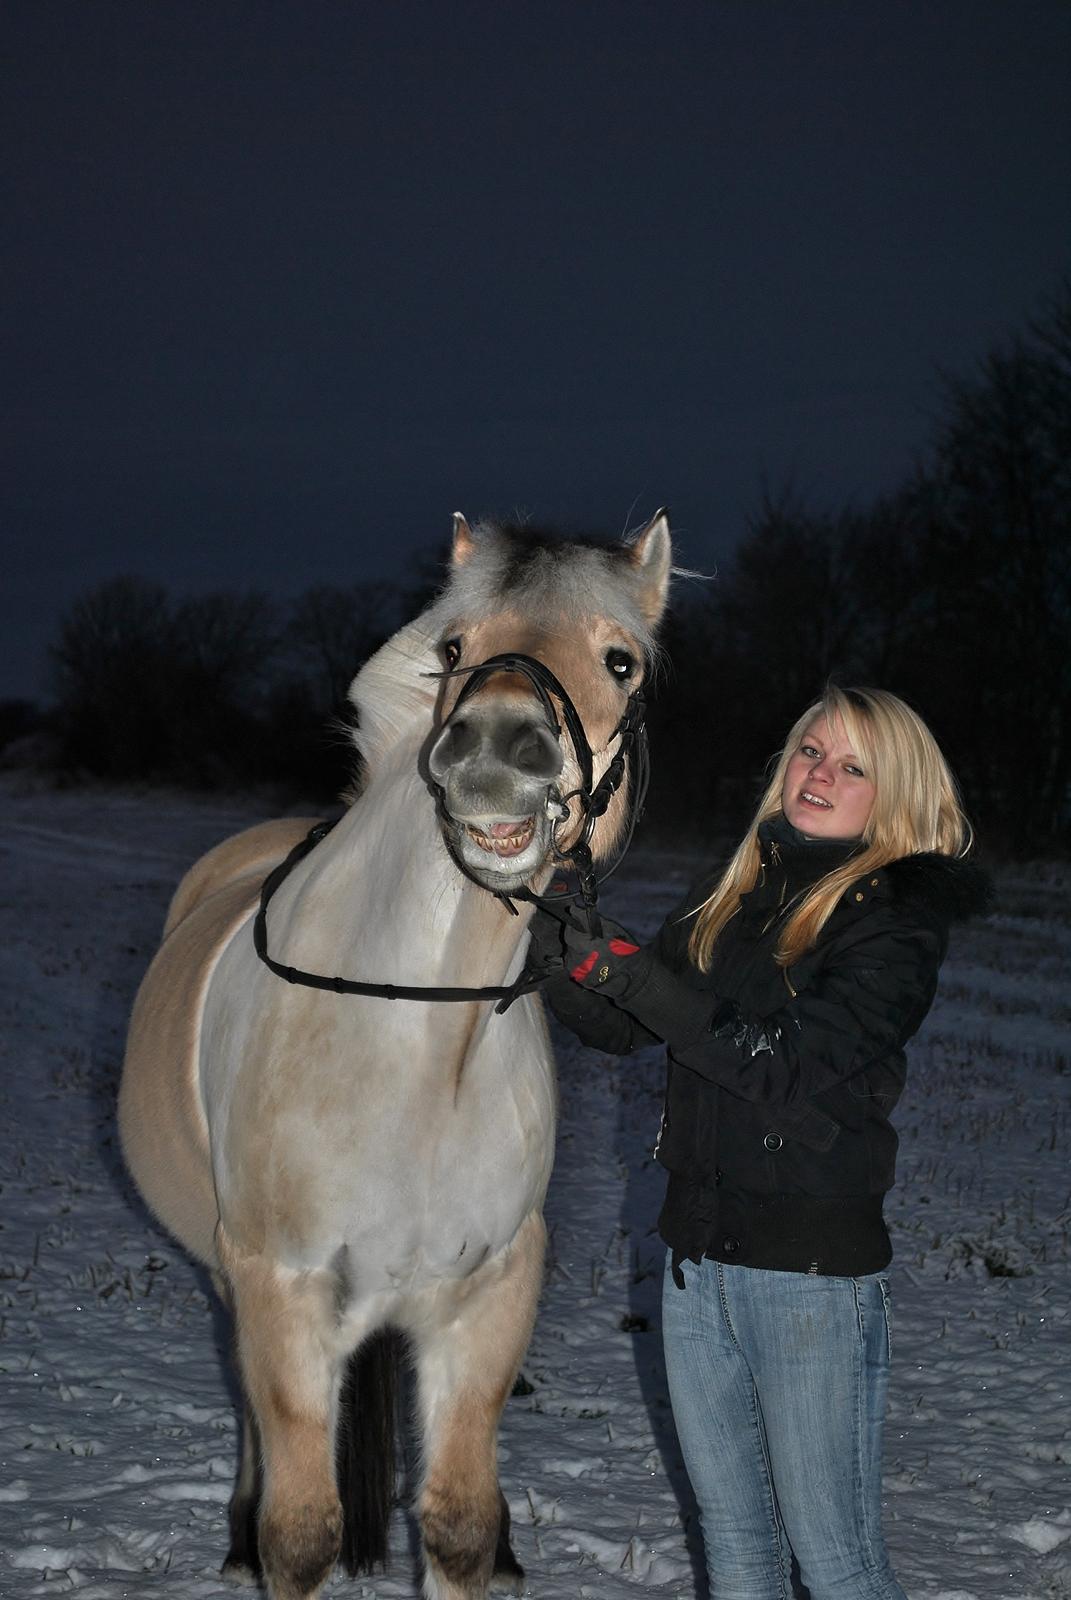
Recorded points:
(785,987)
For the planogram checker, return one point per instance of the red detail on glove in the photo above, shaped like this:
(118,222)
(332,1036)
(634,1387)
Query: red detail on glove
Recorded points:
(623,947)
(580,972)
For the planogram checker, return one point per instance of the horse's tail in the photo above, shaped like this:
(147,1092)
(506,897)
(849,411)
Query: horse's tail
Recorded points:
(365,1449)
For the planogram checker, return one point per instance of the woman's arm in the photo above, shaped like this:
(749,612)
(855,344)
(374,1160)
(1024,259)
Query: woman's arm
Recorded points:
(870,996)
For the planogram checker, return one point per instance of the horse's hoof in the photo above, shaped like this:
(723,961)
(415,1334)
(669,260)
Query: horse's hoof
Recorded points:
(507,1582)
(236,1571)
(508,1576)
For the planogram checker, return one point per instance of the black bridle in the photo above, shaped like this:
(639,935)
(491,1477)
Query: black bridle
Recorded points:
(592,800)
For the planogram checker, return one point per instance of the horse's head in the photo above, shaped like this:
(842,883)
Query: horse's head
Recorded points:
(504,762)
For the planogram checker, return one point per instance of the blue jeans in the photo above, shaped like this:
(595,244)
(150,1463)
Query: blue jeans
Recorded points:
(778,1384)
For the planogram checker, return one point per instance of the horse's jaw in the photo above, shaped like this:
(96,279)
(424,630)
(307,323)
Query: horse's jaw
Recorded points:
(502,852)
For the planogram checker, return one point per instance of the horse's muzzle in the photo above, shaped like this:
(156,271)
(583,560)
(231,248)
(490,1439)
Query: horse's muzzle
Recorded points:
(495,765)
(496,749)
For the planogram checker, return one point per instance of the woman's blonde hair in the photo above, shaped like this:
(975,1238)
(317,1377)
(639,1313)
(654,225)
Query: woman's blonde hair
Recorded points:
(916,808)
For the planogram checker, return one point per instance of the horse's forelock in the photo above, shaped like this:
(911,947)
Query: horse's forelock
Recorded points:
(546,579)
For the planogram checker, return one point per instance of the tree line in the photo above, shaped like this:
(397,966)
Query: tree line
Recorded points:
(954,592)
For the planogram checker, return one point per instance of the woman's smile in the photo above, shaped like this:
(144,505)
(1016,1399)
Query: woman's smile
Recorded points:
(827,792)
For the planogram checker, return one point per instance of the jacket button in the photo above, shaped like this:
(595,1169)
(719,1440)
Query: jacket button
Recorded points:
(874,882)
(773,1141)
(730,1245)
(860,895)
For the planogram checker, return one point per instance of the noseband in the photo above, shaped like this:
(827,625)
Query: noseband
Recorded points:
(592,800)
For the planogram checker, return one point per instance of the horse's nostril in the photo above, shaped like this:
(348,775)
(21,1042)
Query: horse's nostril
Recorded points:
(534,751)
(481,743)
(455,742)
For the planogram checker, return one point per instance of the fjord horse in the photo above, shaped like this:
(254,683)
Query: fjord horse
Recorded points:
(347,1164)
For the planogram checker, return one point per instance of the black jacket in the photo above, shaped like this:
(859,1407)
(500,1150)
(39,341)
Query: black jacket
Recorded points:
(776,1130)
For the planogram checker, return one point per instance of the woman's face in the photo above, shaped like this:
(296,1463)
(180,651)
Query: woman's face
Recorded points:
(827,794)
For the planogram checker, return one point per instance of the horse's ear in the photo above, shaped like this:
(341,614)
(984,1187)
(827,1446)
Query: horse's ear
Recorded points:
(651,553)
(464,543)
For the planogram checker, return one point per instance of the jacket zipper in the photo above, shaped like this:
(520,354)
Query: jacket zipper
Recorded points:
(772,918)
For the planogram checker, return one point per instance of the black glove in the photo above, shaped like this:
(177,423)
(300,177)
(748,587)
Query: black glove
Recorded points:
(634,978)
(612,964)
(752,1036)
(610,961)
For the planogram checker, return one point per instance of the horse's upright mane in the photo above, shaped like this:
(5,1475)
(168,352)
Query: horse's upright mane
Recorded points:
(555,580)
(393,692)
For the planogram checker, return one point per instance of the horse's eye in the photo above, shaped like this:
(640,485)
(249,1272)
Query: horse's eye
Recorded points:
(620,664)
(451,653)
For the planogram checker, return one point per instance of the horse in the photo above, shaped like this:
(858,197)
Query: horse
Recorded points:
(361,1162)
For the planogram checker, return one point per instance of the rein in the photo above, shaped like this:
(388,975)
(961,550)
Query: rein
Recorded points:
(631,734)
(506,994)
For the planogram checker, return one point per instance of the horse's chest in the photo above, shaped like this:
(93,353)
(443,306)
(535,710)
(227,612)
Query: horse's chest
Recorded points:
(451,1197)
(417,1163)
(478,1168)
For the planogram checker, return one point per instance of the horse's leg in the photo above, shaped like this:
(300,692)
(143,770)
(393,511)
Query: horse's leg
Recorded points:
(243,1559)
(286,1344)
(243,1562)
(466,1363)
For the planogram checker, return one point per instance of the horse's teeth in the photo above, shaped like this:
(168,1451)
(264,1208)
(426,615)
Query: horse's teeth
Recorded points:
(512,845)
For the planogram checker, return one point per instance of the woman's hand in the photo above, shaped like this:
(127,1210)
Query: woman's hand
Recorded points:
(631,977)
(611,961)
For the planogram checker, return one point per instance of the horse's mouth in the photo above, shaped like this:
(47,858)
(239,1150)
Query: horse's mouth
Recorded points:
(503,839)
(501,851)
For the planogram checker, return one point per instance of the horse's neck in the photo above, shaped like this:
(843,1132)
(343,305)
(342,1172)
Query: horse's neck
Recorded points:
(382,894)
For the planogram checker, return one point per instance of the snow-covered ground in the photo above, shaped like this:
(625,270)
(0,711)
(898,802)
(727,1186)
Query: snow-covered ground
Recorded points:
(117,1411)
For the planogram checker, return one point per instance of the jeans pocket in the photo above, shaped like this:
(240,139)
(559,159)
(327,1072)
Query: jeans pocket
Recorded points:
(873,1299)
(886,1307)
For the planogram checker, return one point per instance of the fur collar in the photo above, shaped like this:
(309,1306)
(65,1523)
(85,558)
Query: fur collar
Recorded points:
(947,886)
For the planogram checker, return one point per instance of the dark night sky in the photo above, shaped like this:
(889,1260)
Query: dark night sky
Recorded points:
(288,282)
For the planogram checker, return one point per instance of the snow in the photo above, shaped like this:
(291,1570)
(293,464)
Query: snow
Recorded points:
(117,1411)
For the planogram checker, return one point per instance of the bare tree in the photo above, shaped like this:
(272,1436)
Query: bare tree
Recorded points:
(148,689)
(1000,568)
(109,665)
